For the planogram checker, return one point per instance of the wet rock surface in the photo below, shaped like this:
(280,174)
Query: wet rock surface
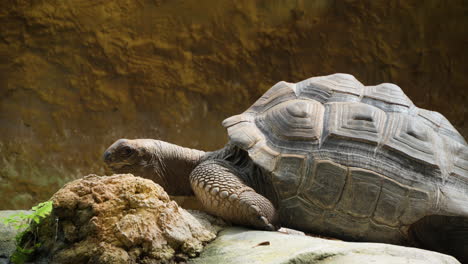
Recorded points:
(121,219)
(76,75)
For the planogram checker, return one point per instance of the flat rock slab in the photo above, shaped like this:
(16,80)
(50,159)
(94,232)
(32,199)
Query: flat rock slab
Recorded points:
(240,245)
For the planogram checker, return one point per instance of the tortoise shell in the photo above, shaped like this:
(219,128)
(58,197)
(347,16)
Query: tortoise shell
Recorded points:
(351,160)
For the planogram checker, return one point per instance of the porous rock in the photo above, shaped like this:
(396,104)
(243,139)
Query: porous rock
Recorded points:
(121,219)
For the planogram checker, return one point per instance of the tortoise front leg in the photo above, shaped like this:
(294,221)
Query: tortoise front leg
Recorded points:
(223,193)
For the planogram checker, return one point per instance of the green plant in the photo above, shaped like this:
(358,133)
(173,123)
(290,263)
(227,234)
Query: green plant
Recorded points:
(24,249)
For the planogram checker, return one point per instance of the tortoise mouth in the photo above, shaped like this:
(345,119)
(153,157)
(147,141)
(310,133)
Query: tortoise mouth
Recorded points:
(119,167)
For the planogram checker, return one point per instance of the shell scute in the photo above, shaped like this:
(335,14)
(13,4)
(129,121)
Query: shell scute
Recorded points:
(324,87)
(325,186)
(411,137)
(388,92)
(294,120)
(264,156)
(280,92)
(244,135)
(288,174)
(355,121)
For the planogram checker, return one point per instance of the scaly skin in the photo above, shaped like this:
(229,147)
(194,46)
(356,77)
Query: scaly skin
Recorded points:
(223,193)
(215,182)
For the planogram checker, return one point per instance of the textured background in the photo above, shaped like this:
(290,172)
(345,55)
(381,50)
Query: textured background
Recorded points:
(76,75)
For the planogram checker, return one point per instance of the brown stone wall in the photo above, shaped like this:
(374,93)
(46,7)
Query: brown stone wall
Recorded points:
(76,75)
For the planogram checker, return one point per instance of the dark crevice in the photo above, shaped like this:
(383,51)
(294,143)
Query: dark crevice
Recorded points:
(445,234)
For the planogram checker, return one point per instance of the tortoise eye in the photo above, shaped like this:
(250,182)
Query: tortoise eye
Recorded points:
(126,151)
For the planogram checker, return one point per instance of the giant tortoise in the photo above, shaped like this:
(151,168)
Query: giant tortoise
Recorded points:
(330,156)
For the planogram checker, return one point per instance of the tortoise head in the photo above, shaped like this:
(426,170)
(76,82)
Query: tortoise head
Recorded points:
(166,164)
(131,156)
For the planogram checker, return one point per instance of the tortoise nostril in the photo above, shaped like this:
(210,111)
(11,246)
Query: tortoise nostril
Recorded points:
(107,157)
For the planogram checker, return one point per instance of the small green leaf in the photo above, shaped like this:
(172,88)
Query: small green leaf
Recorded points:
(20,226)
(21,255)
(9,221)
(36,219)
(43,209)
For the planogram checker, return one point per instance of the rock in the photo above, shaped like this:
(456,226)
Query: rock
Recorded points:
(77,75)
(8,233)
(233,245)
(120,219)
(240,245)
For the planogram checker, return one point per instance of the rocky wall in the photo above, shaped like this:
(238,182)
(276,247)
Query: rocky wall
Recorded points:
(76,75)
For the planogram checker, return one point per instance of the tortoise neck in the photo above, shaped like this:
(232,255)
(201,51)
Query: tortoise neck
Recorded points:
(175,165)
